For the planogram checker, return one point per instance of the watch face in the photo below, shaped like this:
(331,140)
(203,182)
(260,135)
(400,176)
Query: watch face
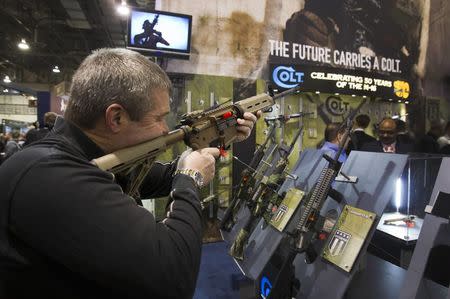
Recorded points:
(199,179)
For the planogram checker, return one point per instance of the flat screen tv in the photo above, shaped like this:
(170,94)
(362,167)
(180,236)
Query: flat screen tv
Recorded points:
(159,33)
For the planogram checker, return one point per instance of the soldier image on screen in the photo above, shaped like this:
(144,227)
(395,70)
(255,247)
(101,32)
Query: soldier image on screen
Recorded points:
(150,37)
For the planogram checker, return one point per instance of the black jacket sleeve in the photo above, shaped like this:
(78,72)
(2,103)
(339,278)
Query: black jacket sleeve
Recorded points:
(158,182)
(74,213)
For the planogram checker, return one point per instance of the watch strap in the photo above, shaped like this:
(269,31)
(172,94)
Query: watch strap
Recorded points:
(194,174)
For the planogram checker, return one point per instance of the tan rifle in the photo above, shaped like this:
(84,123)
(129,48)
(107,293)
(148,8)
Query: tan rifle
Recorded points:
(199,129)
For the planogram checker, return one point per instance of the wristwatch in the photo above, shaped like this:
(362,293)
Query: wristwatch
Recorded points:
(194,174)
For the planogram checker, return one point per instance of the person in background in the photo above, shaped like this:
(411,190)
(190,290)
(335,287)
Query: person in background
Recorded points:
(2,142)
(359,137)
(67,229)
(403,134)
(445,150)
(333,136)
(429,143)
(2,147)
(388,142)
(444,140)
(39,133)
(21,139)
(12,145)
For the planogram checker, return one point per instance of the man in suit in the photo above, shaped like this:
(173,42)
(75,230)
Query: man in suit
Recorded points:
(388,142)
(358,136)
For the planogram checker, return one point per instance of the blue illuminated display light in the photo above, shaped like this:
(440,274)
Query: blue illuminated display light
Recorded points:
(265,287)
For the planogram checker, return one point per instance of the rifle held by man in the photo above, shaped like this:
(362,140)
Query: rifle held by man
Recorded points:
(199,129)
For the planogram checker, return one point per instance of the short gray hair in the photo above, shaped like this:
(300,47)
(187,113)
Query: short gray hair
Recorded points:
(109,76)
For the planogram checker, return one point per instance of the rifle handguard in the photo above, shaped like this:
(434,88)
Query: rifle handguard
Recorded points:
(217,127)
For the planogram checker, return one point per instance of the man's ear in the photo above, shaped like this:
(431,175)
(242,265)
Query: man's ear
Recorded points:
(116,117)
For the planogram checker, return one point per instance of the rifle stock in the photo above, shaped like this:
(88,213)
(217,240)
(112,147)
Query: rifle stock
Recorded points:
(120,160)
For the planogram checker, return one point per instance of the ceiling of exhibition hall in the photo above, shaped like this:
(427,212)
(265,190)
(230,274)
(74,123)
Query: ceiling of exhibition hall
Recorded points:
(59,33)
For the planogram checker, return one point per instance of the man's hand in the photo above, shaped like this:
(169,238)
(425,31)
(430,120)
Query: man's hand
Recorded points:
(202,160)
(245,125)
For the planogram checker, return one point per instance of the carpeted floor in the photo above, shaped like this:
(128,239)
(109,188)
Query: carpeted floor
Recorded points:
(219,276)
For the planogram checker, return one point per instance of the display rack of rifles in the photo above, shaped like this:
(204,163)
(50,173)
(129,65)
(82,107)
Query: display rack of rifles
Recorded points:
(258,191)
(260,183)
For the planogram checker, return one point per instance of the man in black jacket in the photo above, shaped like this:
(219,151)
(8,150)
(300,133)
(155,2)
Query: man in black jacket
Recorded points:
(66,228)
(358,136)
(39,133)
(403,134)
(388,142)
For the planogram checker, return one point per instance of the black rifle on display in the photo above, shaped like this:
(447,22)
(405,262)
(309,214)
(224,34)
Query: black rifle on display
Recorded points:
(247,180)
(250,172)
(308,227)
(285,118)
(260,199)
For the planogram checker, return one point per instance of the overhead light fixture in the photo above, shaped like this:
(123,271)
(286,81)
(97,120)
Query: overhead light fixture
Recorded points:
(353,95)
(123,8)
(23,45)
(56,69)
(6,79)
(317,92)
(364,97)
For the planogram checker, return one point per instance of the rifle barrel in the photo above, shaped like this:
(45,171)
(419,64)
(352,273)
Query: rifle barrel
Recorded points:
(286,92)
(287,117)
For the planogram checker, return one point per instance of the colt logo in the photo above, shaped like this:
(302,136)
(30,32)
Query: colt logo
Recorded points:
(287,77)
(336,106)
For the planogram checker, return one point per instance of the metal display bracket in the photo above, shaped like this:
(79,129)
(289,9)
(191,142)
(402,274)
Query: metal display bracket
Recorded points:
(344,178)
